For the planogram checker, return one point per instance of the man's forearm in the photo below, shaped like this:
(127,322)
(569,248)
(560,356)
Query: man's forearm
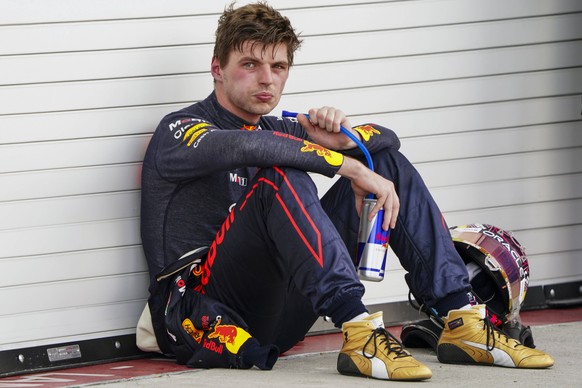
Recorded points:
(352,168)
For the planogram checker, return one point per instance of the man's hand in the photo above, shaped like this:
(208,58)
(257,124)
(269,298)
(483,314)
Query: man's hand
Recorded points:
(323,127)
(365,181)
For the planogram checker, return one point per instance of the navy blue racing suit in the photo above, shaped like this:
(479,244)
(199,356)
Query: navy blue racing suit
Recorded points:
(278,255)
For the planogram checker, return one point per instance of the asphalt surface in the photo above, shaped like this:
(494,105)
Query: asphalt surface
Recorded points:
(563,341)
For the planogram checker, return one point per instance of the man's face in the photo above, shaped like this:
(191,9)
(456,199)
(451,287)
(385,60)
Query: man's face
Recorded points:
(251,83)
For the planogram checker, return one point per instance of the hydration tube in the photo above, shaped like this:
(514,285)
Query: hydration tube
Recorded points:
(348,134)
(345,132)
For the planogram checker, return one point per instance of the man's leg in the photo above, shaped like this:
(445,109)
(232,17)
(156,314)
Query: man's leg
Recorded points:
(421,239)
(279,262)
(422,242)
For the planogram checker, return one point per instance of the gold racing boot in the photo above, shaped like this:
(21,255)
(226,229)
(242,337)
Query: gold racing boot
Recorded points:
(470,338)
(369,350)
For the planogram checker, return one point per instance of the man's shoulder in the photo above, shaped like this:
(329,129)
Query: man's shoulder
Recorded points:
(192,111)
(186,118)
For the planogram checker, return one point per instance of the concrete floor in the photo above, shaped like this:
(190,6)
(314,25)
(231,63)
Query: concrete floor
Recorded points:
(563,341)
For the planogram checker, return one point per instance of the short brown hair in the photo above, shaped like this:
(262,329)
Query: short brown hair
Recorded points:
(257,23)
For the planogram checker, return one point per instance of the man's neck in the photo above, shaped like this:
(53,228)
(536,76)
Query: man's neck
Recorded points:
(225,104)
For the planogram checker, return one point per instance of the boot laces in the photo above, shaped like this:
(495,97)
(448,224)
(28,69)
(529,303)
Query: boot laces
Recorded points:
(494,334)
(382,337)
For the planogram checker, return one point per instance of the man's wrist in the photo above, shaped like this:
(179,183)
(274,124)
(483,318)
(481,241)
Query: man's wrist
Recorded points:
(350,168)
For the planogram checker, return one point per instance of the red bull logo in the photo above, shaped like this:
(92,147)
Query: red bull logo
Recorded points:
(233,337)
(331,157)
(249,127)
(212,346)
(225,333)
(366,131)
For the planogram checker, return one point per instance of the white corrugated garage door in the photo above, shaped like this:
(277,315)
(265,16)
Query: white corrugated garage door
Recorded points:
(486,97)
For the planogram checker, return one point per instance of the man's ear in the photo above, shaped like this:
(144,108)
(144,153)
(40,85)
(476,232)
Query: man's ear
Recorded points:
(215,69)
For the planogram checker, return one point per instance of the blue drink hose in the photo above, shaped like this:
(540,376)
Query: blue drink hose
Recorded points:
(348,134)
(345,132)
(370,258)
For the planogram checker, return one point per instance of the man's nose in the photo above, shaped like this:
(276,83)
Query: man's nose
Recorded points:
(265,75)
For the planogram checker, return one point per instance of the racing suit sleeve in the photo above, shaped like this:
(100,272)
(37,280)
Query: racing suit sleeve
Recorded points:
(198,148)
(375,138)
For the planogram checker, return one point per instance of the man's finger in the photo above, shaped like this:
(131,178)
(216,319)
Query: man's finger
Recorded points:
(379,205)
(386,222)
(304,121)
(395,210)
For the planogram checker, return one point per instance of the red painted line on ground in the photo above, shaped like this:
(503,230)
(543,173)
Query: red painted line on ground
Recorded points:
(94,373)
(551,316)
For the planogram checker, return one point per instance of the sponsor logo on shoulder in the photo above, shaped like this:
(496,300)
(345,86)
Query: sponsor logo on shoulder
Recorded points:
(194,132)
(189,129)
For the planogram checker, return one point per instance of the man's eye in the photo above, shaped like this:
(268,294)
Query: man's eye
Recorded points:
(249,65)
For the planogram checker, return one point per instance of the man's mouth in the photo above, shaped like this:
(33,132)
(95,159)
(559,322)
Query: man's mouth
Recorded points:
(264,96)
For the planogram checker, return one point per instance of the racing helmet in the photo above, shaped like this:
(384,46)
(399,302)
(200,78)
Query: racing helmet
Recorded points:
(497,265)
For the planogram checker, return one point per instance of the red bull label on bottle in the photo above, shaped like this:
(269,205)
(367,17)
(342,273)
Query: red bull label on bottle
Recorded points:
(372,244)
